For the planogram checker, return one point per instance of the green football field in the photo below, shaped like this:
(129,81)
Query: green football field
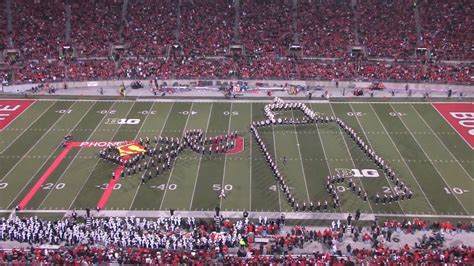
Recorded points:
(429,155)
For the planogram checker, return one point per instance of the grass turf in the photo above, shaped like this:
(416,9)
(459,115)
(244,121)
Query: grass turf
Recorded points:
(431,158)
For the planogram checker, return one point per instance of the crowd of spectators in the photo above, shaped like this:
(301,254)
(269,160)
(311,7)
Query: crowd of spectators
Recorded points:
(149,27)
(175,240)
(135,69)
(90,70)
(265,26)
(447,28)
(387,28)
(449,73)
(3,27)
(259,68)
(262,68)
(95,26)
(39,28)
(325,28)
(204,69)
(205,34)
(379,71)
(41,71)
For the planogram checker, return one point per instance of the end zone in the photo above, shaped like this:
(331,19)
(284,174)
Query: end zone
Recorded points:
(11,109)
(461,118)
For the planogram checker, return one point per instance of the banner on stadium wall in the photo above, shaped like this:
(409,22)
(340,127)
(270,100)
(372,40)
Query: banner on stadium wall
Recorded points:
(130,149)
(92,84)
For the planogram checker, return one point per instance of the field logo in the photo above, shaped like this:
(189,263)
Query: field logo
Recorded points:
(100,144)
(461,117)
(11,109)
(357,172)
(130,149)
(122,121)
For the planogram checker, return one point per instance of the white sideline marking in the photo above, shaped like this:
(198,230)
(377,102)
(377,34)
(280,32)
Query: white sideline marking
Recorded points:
(238,215)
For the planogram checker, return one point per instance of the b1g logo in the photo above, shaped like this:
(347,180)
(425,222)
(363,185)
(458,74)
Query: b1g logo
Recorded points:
(122,121)
(357,172)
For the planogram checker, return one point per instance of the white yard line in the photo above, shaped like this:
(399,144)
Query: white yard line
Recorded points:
(327,159)
(447,122)
(200,159)
(301,159)
(225,156)
(32,147)
(138,133)
(419,145)
(70,162)
(161,131)
(367,138)
(95,165)
(174,162)
(276,161)
(39,168)
(23,130)
(250,161)
(445,147)
(350,155)
(403,159)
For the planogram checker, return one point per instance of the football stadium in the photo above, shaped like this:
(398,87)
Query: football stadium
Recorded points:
(236,132)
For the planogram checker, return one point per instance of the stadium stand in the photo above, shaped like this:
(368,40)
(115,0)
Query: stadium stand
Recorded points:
(327,35)
(324,29)
(147,35)
(185,240)
(134,69)
(203,69)
(153,40)
(95,25)
(201,34)
(38,30)
(90,70)
(265,27)
(387,28)
(447,28)
(3,27)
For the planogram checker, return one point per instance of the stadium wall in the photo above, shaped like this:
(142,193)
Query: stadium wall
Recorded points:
(262,84)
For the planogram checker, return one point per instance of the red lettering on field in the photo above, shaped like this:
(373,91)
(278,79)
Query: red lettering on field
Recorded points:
(11,109)
(461,117)
(238,147)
